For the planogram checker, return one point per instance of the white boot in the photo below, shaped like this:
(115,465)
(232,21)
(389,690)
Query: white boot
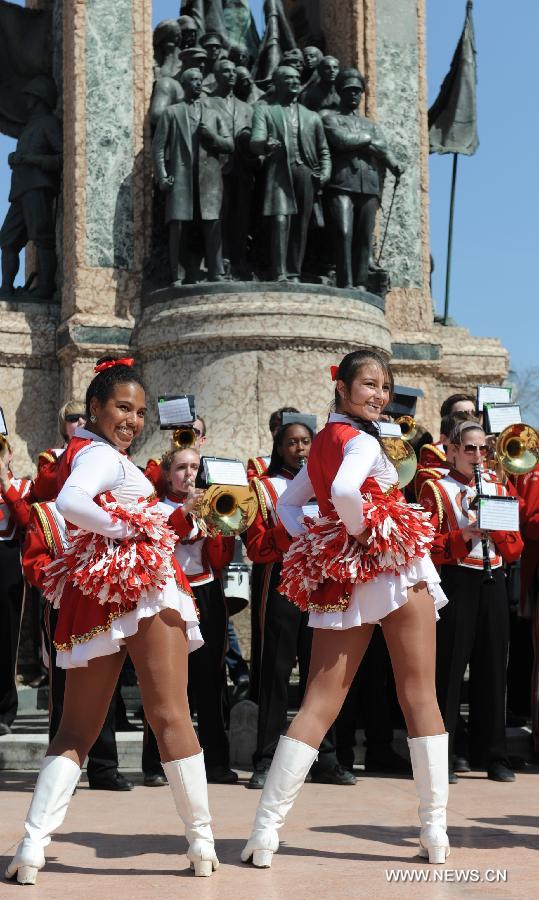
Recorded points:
(187,780)
(56,782)
(430,768)
(288,770)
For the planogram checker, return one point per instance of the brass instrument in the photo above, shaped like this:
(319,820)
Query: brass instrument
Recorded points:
(403,457)
(184,437)
(517,449)
(227,509)
(408,426)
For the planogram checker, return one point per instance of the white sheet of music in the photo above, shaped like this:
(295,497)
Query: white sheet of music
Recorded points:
(311,510)
(500,417)
(492,393)
(498,514)
(225,471)
(3,426)
(175,412)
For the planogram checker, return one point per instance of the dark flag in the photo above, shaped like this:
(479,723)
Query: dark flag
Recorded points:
(278,37)
(453,115)
(25,51)
(241,25)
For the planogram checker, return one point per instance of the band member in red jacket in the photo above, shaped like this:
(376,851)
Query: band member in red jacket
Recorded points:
(70,417)
(202,558)
(14,513)
(153,469)
(474,626)
(258,465)
(280,631)
(527,487)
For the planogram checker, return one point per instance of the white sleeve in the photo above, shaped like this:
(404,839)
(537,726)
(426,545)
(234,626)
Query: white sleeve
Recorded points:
(96,468)
(290,504)
(195,532)
(360,454)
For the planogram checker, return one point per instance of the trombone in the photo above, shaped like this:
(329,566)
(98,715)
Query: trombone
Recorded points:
(184,437)
(403,457)
(408,426)
(517,449)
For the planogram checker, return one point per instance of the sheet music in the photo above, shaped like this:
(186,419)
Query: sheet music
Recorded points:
(492,393)
(225,471)
(311,510)
(389,429)
(3,426)
(176,411)
(502,416)
(498,514)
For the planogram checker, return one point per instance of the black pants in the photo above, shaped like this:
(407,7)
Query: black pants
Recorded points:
(369,697)
(207,677)
(103,756)
(474,629)
(11,606)
(285,637)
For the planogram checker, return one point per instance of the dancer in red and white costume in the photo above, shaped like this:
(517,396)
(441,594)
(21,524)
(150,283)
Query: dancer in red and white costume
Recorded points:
(364,562)
(116,531)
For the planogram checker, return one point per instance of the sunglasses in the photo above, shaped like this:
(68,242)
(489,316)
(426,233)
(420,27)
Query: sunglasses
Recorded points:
(473,448)
(74,417)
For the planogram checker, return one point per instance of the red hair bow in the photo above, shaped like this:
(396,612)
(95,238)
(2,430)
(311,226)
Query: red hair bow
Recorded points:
(334,372)
(111,363)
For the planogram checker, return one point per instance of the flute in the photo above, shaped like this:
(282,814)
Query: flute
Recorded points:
(487,568)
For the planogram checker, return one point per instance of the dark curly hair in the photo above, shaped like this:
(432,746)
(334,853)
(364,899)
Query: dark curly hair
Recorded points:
(102,385)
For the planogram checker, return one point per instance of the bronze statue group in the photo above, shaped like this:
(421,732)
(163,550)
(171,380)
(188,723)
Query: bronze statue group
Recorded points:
(127,566)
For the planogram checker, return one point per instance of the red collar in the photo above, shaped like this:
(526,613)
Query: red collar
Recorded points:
(170,495)
(462,479)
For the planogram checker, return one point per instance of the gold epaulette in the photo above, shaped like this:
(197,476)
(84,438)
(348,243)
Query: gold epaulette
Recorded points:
(255,483)
(48,457)
(256,465)
(45,524)
(437,498)
(437,452)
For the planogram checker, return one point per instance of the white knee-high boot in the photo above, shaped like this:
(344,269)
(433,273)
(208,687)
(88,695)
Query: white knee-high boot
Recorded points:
(56,782)
(289,768)
(430,768)
(187,781)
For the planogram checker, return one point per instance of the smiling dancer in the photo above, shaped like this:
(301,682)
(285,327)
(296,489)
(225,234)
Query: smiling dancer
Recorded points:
(114,526)
(364,562)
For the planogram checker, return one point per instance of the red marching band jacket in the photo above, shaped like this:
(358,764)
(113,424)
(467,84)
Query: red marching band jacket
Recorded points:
(447,499)
(14,508)
(217,550)
(527,489)
(267,539)
(45,539)
(431,465)
(257,466)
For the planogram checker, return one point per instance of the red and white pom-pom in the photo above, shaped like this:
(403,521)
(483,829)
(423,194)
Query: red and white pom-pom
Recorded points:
(121,572)
(399,533)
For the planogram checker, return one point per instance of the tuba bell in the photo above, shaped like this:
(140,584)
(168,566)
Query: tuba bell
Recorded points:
(403,457)
(408,426)
(184,437)
(227,509)
(517,449)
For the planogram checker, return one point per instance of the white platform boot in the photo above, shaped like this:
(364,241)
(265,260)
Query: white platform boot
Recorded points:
(56,782)
(187,780)
(289,768)
(430,768)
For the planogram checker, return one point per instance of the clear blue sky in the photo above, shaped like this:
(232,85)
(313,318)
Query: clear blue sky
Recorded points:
(496,238)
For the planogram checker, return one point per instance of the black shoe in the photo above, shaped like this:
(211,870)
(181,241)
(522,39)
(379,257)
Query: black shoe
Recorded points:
(114,782)
(4,728)
(258,778)
(498,771)
(386,761)
(453,778)
(221,775)
(336,775)
(461,764)
(154,780)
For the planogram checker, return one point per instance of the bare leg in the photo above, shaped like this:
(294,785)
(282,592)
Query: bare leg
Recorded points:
(159,654)
(335,658)
(88,692)
(410,634)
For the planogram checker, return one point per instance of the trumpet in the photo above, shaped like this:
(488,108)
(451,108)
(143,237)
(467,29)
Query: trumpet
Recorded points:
(408,426)
(227,509)
(517,449)
(403,457)
(184,437)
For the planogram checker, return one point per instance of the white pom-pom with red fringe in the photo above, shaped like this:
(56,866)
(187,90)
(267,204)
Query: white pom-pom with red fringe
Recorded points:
(121,572)
(399,533)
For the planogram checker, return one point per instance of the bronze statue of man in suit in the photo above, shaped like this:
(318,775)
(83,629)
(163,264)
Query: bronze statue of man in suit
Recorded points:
(188,146)
(360,156)
(298,164)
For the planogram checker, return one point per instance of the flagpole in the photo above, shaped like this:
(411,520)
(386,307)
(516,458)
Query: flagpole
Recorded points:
(450,239)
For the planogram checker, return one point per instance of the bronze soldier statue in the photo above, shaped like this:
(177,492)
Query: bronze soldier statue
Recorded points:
(360,157)
(188,145)
(322,94)
(167,89)
(292,139)
(35,181)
